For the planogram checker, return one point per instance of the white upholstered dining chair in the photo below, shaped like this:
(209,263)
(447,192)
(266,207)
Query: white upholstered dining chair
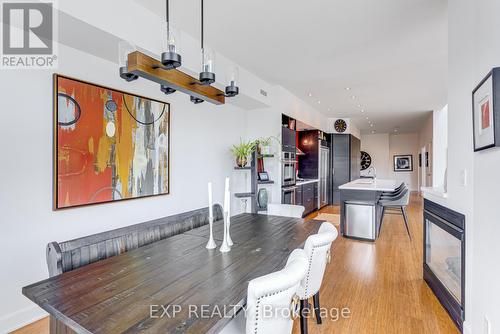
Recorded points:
(272,300)
(317,248)
(285,210)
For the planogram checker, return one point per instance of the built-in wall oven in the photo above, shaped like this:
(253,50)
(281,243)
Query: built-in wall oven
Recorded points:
(444,257)
(288,169)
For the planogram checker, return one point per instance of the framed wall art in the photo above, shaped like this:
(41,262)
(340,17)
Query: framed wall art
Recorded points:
(403,163)
(109,145)
(486,112)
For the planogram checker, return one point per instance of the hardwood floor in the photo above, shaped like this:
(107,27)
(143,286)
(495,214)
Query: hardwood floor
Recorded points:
(381,284)
(38,327)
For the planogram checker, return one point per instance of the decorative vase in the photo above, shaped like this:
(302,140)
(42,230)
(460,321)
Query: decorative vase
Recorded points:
(241,161)
(262,198)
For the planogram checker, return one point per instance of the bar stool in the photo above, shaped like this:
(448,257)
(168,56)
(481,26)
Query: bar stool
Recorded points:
(277,292)
(317,248)
(396,191)
(399,202)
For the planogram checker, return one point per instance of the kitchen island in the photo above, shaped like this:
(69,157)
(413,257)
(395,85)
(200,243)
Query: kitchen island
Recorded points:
(360,213)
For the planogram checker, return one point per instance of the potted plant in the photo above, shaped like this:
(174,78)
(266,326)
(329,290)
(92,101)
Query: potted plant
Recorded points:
(264,144)
(242,151)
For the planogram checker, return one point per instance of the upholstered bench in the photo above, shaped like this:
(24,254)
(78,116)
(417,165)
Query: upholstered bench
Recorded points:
(72,254)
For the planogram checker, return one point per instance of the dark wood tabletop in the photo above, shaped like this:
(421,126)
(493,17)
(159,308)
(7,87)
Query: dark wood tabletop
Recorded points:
(119,294)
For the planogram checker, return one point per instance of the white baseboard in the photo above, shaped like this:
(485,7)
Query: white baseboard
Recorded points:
(21,318)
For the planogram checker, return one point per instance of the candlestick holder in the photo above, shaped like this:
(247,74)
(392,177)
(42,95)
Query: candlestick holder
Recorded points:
(211,242)
(229,240)
(224,248)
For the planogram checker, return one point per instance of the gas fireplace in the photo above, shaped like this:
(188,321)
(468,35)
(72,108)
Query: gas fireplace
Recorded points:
(444,257)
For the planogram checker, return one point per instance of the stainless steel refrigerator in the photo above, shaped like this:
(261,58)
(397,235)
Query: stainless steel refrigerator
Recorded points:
(324,181)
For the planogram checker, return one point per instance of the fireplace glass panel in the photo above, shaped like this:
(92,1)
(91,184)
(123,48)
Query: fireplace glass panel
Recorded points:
(443,256)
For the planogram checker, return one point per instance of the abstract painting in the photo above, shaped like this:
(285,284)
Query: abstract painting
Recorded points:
(486,112)
(109,145)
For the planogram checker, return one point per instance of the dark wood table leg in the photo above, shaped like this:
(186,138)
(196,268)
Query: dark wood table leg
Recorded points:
(58,327)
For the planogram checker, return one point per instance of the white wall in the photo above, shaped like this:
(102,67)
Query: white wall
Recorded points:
(382,148)
(377,145)
(200,139)
(473,178)
(425,139)
(440,146)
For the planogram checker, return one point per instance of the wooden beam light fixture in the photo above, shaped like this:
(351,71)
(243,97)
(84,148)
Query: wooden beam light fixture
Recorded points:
(135,64)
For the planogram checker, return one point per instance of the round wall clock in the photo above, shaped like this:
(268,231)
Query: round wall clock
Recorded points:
(340,125)
(366,160)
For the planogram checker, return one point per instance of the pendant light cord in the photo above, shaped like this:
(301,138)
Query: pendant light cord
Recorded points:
(202,23)
(167,16)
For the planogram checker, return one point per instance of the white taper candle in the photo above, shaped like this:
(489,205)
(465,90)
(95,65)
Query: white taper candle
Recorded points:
(210,201)
(226,195)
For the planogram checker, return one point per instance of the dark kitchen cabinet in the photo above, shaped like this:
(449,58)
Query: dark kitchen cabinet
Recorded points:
(288,139)
(308,197)
(345,162)
(298,195)
(308,143)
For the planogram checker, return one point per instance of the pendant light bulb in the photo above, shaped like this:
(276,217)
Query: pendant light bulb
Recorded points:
(232,80)
(124,49)
(171,58)
(207,74)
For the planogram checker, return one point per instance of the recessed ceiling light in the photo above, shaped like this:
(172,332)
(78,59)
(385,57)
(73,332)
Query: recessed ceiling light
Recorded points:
(373,131)
(310,94)
(359,105)
(395,130)
(319,102)
(353,97)
(367,117)
(348,88)
(371,124)
(362,110)
(329,109)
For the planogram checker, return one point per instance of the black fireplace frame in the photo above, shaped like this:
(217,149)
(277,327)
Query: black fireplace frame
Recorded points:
(453,223)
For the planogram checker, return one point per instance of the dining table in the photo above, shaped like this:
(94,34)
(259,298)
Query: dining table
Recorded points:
(175,285)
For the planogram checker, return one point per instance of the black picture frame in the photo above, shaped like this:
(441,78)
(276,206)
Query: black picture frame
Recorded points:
(494,121)
(263,176)
(401,161)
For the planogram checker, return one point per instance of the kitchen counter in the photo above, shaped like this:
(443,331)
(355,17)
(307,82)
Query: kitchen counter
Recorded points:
(371,185)
(301,183)
(360,197)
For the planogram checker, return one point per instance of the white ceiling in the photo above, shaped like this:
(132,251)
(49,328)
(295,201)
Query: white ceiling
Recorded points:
(392,54)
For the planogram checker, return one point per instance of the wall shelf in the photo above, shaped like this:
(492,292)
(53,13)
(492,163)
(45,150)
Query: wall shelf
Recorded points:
(243,195)
(265,182)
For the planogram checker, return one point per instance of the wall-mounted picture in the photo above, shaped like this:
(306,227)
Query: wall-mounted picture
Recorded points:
(403,163)
(486,114)
(263,176)
(108,145)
